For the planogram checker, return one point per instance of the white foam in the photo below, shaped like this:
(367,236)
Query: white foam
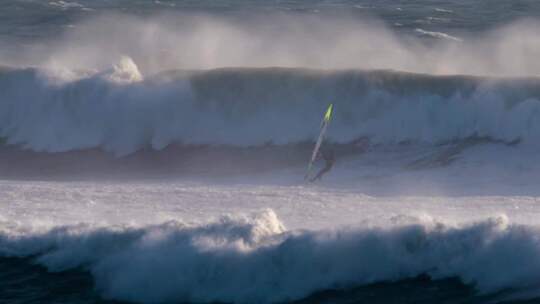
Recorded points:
(438,35)
(126,71)
(65,4)
(117,111)
(442,10)
(243,259)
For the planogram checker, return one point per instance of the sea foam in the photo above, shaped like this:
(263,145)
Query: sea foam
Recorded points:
(247,259)
(121,111)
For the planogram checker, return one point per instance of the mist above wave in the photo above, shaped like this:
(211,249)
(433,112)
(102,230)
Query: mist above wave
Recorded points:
(197,41)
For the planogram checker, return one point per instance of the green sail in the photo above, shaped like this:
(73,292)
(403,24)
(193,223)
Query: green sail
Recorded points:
(324,125)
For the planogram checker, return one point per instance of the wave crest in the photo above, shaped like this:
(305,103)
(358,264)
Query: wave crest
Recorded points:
(122,113)
(253,258)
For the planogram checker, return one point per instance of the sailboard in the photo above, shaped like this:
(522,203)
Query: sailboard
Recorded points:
(324,125)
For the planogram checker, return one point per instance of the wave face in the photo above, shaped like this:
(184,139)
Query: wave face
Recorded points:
(254,259)
(118,111)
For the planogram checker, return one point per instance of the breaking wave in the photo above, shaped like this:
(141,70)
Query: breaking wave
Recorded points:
(437,35)
(121,111)
(254,259)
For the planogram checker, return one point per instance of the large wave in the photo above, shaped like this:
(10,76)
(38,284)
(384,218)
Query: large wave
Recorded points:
(254,259)
(120,111)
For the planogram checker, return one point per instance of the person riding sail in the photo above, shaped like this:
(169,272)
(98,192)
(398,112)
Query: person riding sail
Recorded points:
(317,153)
(329,163)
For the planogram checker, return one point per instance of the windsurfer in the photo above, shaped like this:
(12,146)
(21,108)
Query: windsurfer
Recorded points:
(329,163)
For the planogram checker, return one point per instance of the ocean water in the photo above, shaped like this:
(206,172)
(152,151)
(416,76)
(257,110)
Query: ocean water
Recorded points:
(154,151)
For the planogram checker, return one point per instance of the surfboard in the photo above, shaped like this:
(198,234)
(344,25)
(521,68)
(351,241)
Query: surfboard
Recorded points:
(324,125)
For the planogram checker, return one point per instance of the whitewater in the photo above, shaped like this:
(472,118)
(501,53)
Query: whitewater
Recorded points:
(154,152)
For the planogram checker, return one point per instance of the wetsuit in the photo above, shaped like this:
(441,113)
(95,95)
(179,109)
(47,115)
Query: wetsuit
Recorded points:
(329,163)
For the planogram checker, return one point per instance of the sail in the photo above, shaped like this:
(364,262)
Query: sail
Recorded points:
(324,125)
